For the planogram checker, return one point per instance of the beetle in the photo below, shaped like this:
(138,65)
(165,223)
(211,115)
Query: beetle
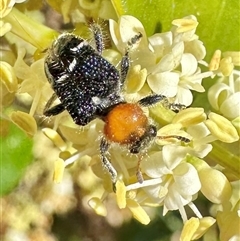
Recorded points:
(88,87)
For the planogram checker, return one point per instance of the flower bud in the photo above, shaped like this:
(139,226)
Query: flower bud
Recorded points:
(195,228)
(226,66)
(215,61)
(215,186)
(235,55)
(24,121)
(121,194)
(190,116)
(58,170)
(138,212)
(221,128)
(185,24)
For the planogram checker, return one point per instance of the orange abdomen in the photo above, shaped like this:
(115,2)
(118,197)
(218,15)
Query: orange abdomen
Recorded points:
(125,123)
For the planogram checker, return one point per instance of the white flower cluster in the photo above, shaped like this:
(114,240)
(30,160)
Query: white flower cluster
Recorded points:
(170,58)
(174,172)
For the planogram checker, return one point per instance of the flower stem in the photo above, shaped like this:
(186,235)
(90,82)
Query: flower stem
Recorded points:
(226,158)
(31,31)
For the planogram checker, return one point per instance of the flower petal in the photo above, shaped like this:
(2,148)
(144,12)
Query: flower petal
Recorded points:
(174,200)
(186,179)
(164,83)
(237,85)
(217,94)
(114,31)
(136,79)
(165,64)
(220,189)
(129,26)
(154,166)
(177,51)
(160,41)
(198,130)
(157,192)
(173,155)
(196,48)
(189,64)
(202,150)
(231,106)
(184,96)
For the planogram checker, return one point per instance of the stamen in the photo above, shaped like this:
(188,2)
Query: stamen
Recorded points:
(78,155)
(146,183)
(139,173)
(195,210)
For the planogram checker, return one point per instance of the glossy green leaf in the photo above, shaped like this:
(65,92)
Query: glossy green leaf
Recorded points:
(15,154)
(219,21)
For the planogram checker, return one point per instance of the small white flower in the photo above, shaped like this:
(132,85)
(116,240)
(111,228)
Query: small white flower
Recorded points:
(224,96)
(178,180)
(179,83)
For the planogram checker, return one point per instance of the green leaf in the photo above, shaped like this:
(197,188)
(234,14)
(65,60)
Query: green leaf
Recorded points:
(219,21)
(15,155)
